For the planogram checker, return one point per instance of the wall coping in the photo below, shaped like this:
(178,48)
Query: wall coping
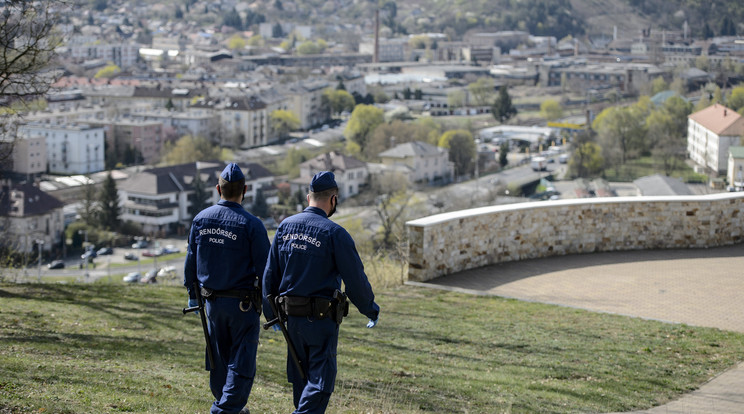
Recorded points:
(455,215)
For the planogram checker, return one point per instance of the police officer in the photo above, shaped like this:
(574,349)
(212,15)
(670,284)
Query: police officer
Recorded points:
(308,259)
(226,253)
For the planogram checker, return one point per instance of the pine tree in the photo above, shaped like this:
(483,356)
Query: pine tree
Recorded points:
(707,31)
(108,215)
(502,108)
(260,208)
(200,199)
(503,151)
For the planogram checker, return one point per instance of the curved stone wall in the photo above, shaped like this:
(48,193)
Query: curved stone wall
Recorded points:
(451,242)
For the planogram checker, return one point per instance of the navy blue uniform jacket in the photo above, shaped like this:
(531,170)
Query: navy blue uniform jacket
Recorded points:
(310,256)
(227,248)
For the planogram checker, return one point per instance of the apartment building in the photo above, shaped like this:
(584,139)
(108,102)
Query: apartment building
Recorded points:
(159,199)
(710,134)
(28,155)
(195,122)
(305,101)
(390,50)
(122,55)
(70,148)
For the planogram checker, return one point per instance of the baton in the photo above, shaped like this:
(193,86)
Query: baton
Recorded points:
(205,328)
(278,320)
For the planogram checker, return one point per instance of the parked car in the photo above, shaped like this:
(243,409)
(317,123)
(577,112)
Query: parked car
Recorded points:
(88,255)
(131,256)
(170,249)
(105,251)
(167,271)
(153,253)
(56,264)
(133,277)
(140,244)
(150,276)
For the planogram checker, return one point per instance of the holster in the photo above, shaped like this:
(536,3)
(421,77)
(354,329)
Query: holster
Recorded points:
(341,306)
(318,308)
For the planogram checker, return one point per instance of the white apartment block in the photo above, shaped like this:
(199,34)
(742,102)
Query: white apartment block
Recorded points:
(29,154)
(710,133)
(122,55)
(71,149)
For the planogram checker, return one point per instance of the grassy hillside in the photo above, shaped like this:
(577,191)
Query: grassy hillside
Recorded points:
(77,348)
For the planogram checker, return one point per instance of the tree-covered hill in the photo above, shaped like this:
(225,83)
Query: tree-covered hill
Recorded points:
(558,18)
(455,18)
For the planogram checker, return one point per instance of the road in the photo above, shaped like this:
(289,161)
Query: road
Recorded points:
(103,264)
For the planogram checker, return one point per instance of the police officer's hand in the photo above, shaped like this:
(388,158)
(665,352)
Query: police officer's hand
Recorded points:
(193,303)
(372,323)
(276,327)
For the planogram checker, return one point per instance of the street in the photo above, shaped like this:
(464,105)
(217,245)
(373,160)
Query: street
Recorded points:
(111,265)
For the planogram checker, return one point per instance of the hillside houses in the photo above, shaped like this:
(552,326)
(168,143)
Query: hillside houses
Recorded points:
(181,76)
(351,173)
(420,162)
(29,217)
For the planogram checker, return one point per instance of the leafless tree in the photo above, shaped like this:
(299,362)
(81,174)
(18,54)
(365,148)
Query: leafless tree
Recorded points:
(28,40)
(391,204)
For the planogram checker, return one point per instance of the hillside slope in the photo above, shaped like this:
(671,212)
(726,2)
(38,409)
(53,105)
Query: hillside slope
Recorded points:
(558,18)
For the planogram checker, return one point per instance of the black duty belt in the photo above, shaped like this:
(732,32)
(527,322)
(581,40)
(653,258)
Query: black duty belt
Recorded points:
(316,307)
(247,297)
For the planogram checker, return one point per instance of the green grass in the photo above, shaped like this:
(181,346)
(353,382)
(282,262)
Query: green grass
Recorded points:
(644,166)
(108,348)
(143,260)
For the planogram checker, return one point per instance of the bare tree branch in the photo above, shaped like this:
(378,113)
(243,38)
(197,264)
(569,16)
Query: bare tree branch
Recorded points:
(28,40)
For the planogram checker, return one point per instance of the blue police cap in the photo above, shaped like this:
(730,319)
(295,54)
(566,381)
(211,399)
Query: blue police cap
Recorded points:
(232,173)
(324,180)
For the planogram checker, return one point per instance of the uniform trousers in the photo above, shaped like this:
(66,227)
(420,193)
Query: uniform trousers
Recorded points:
(316,341)
(234,338)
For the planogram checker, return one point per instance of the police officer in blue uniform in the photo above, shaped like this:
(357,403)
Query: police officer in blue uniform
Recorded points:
(226,254)
(308,259)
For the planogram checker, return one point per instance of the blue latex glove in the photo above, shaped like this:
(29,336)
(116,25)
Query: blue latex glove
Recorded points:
(372,323)
(276,327)
(192,303)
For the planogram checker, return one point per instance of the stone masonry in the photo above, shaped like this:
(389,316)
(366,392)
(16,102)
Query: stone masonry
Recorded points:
(451,242)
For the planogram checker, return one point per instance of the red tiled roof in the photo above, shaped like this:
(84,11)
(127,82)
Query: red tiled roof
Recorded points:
(720,120)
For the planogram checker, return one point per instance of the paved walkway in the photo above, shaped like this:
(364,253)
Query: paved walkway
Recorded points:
(701,287)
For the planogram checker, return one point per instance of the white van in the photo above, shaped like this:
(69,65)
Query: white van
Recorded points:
(539,164)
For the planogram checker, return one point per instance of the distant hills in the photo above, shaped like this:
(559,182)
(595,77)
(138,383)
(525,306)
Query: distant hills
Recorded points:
(559,18)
